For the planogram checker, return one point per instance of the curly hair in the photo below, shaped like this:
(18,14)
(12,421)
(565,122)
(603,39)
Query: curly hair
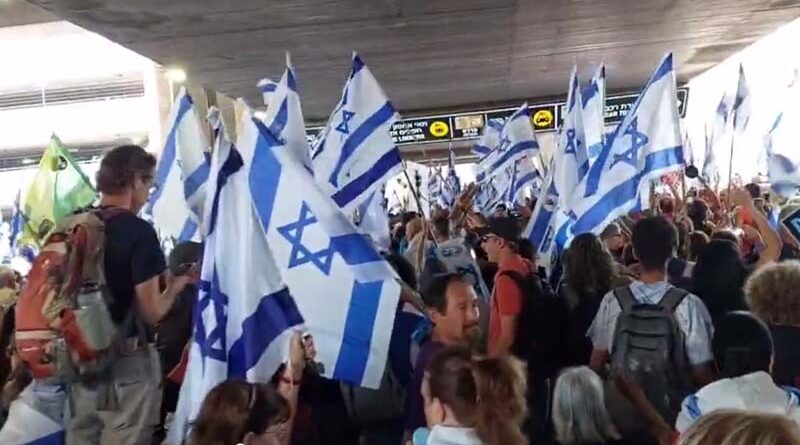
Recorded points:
(773,293)
(589,266)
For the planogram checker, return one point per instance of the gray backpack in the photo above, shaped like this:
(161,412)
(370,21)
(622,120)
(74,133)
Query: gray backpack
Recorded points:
(649,349)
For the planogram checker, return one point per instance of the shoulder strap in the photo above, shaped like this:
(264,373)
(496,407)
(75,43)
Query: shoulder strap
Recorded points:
(625,298)
(672,299)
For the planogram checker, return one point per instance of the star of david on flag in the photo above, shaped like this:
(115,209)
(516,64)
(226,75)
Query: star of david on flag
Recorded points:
(355,154)
(344,289)
(517,140)
(646,145)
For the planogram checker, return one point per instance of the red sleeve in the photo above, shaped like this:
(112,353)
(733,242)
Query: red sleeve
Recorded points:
(509,296)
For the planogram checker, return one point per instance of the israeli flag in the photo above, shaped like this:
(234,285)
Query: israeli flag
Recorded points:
(17,223)
(710,171)
(435,186)
(525,177)
(176,205)
(267,88)
(373,219)
(541,226)
(494,191)
(284,115)
(489,139)
(783,159)
(517,140)
(27,426)
(646,145)
(355,153)
(244,313)
(593,98)
(452,185)
(324,260)
(571,158)
(742,104)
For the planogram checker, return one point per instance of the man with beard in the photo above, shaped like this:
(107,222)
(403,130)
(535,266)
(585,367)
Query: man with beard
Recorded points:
(452,307)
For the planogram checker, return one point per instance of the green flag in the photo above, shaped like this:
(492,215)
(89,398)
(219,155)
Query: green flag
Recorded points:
(58,190)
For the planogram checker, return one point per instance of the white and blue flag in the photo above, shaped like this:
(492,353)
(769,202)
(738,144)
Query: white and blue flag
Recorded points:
(344,289)
(742,104)
(435,186)
(646,145)
(525,177)
(593,97)
(783,158)
(452,185)
(17,223)
(373,219)
(571,159)
(517,140)
(27,426)
(710,172)
(284,115)
(356,153)
(176,205)
(267,88)
(244,314)
(490,137)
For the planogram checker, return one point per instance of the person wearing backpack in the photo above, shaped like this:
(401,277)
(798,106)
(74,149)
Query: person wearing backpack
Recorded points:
(651,339)
(87,327)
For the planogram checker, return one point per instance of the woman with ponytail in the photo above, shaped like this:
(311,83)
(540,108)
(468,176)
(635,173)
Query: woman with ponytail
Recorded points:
(470,401)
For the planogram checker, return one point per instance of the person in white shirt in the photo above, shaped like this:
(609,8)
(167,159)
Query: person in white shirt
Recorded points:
(744,354)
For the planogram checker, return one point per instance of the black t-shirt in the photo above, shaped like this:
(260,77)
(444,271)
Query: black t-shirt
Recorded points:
(786,369)
(133,255)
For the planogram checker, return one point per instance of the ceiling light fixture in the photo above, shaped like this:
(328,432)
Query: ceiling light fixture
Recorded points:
(176,75)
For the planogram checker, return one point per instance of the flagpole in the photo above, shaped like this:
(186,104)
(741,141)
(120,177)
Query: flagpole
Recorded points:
(419,204)
(730,172)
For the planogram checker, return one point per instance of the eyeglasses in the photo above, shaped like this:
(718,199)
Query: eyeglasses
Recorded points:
(487,237)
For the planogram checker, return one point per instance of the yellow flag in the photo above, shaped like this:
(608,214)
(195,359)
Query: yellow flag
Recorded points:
(58,190)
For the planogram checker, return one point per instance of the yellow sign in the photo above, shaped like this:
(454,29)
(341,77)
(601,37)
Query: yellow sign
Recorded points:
(440,129)
(543,118)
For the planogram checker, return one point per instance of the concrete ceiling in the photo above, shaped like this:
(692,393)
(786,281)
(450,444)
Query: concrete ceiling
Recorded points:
(17,13)
(428,54)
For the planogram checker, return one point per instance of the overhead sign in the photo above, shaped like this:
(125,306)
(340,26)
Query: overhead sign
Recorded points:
(469,125)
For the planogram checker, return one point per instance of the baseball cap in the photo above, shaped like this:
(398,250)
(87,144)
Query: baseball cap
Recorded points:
(504,227)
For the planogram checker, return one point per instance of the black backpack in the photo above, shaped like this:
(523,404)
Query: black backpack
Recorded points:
(542,329)
(649,348)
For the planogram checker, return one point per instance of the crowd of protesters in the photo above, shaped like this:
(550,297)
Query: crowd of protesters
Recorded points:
(678,325)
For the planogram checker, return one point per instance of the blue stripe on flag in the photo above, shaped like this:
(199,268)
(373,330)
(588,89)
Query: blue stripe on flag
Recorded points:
(265,172)
(196,179)
(188,230)
(231,166)
(268,87)
(281,118)
(358,64)
(169,153)
(354,352)
(357,186)
(513,151)
(291,82)
(481,150)
(275,314)
(355,248)
(57,438)
(367,128)
(627,190)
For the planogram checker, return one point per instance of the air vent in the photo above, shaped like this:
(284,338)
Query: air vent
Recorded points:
(118,89)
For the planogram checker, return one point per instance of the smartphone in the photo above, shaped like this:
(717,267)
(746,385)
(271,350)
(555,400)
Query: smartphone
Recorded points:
(183,269)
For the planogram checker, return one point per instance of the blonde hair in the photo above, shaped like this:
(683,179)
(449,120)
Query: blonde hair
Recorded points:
(773,293)
(742,428)
(579,409)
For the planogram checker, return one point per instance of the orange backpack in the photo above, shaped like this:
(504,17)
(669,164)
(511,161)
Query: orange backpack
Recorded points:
(63,325)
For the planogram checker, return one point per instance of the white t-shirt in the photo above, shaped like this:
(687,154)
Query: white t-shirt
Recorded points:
(691,314)
(754,393)
(448,435)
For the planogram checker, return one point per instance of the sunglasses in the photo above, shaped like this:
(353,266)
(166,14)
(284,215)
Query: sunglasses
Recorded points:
(487,237)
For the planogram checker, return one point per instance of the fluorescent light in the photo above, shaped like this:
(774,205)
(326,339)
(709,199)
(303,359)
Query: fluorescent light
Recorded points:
(176,75)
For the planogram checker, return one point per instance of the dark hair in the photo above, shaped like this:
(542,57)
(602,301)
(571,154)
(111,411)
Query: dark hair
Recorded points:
(488,394)
(725,235)
(589,266)
(697,242)
(718,278)
(525,249)
(403,268)
(434,294)
(666,204)
(697,211)
(742,345)
(235,408)
(653,242)
(120,167)
(753,189)
(441,224)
